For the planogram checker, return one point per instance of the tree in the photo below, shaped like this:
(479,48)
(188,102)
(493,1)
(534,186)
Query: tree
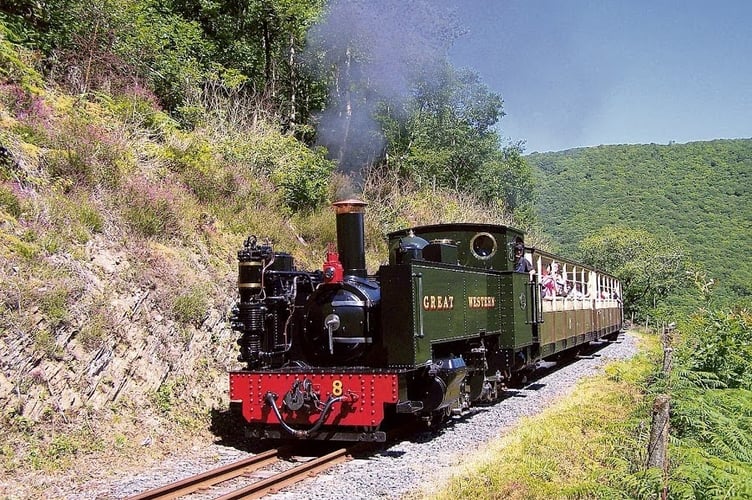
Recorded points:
(444,137)
(700,192)
(445,134)
(371,55)
(262,39)
(649,267)
(509,179)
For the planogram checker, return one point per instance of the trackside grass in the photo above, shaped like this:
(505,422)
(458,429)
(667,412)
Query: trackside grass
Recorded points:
(585,446)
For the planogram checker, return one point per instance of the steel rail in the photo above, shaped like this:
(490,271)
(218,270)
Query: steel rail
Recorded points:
(215,476)
(288,477)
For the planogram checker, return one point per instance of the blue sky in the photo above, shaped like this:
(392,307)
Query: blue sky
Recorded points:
(583,73)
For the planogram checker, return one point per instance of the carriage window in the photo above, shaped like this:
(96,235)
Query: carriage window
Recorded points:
(483,246)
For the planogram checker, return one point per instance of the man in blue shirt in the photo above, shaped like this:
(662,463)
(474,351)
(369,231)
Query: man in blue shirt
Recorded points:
(522,265)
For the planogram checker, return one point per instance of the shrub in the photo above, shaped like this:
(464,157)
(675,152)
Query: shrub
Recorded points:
(300,175)
(90,218)
(186,152)
(210,184)
(33,117)
(45,343)
(139,108)
(190,307)
(15,61)
(304,183)
(169,394)
(720,342)
(96,329)
(194,160)
(19,247)
(54,304)
(74,219)
(89,154)
(711,412)
(151,209)
(9,202)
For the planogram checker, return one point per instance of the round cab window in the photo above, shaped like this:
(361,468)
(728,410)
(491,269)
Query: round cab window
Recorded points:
(483,245)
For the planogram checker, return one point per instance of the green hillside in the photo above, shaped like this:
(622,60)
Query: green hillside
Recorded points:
(700,193)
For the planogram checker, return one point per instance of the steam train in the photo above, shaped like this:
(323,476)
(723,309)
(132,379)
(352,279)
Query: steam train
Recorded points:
(336,354)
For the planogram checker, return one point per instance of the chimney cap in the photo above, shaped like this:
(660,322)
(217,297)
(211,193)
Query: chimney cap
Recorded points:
(349,206)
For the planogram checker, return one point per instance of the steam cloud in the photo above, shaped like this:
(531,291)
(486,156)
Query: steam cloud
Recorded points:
(371,51)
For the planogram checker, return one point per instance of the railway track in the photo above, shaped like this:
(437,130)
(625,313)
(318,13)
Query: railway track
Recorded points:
(204,482)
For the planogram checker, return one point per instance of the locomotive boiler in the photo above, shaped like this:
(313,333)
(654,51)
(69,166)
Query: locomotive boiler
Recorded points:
(337,353)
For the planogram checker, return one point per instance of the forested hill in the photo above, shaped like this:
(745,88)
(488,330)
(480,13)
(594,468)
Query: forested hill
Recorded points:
(699,192)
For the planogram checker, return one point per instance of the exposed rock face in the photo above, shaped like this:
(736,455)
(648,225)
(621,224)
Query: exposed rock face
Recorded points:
(118,343)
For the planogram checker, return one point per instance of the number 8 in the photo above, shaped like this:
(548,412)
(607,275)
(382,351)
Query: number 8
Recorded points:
(337,388)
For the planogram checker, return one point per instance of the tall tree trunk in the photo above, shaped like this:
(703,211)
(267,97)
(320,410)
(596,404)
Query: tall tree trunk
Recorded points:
(268,84)
(293,83)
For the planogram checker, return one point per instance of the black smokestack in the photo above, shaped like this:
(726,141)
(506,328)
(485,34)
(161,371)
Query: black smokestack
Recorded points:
(351,240)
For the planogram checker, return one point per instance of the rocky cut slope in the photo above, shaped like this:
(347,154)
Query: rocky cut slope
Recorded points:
(118,234)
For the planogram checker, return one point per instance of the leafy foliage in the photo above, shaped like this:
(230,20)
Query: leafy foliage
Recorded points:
(9,201)
(449,124)
(188,54)
(300,174)
(443,137)
(711,412)
(14,60)
(168,47)
(721,343)
(650,267)
(261,40)
(190,307)
(151,210)
(508,179)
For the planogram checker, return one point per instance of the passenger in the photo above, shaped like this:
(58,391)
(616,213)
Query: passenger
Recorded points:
(559,281)
(575,292)
(549,280)
(522,265)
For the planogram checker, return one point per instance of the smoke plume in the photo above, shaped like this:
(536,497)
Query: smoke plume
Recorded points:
(371,52)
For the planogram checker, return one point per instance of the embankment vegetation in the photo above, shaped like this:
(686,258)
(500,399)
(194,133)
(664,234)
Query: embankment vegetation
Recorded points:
(595,444)
(589,445)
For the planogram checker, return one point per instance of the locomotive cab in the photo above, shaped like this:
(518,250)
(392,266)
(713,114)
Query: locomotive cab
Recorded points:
(483,246)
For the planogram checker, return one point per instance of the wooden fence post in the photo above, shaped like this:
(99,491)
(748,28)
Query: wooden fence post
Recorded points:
(659,427)
(657,448)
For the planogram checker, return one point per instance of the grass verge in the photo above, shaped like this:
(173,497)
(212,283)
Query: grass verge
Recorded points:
(585,446)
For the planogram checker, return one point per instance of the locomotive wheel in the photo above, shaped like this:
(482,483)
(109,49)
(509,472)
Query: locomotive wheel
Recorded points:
(519,378)
(437,418)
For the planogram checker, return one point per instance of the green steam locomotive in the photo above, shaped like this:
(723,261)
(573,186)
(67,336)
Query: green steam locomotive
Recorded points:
(449,322)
